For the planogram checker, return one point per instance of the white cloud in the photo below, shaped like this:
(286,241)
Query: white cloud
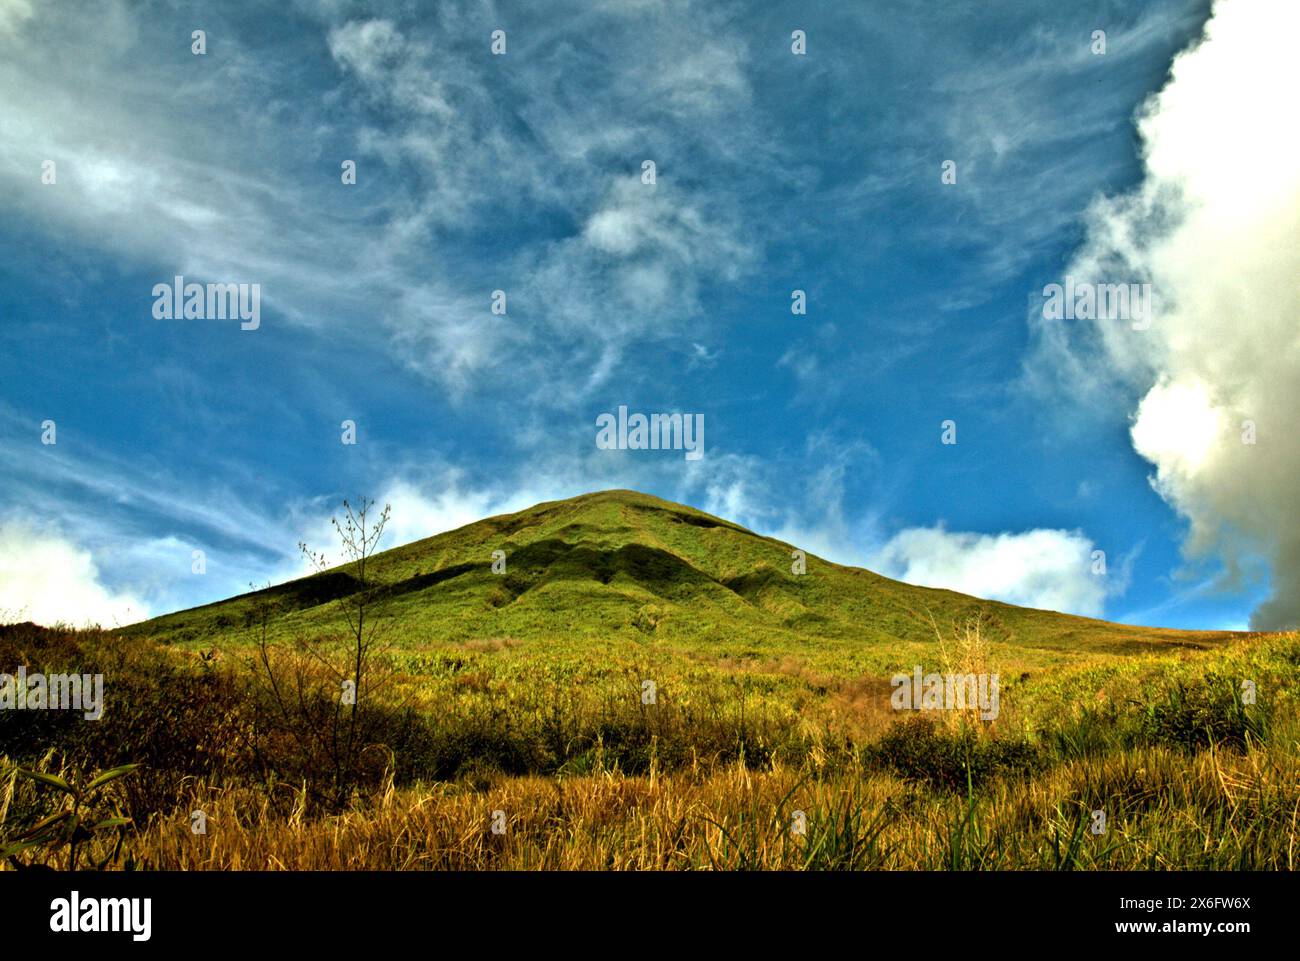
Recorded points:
(643,252)
(1178,427)
(48,579)
(13,14)
(1050,569)
(421,510)
(1213,227)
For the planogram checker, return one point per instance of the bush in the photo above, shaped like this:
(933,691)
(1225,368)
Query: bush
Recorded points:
(916,749)
(1211,712)
(176,718)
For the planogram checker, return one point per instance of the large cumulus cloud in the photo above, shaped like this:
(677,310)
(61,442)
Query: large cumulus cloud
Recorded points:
(1213,227)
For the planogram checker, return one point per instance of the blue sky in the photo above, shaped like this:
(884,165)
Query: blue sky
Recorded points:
(522,173)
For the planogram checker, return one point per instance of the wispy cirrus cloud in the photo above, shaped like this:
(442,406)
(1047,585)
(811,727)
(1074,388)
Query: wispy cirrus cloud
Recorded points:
(449,140)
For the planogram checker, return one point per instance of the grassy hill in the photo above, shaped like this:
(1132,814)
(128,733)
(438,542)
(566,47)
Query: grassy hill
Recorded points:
(624,566)
(523,692)
(607,590)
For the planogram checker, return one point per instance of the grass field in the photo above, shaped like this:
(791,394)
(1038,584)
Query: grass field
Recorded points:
(647,686)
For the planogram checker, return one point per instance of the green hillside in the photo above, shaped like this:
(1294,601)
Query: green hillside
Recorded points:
(646,685)
(620,566)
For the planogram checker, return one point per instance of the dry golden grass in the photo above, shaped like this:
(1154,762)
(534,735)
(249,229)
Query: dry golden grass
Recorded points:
(714,777)
(1164,811)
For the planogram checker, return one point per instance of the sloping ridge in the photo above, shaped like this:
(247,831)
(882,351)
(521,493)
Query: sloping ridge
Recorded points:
(601,560)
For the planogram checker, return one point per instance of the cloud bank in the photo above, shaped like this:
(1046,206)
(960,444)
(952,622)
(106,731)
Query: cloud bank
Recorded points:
(1213,227)
(48,579)
(1049,569)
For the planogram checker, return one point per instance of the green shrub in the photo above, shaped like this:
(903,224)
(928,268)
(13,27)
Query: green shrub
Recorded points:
(1198,715)
(917,749)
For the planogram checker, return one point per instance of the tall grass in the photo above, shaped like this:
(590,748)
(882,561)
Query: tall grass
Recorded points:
(710,776)
(1166,812)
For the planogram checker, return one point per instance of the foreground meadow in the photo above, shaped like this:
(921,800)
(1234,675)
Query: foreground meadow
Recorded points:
(759,763)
